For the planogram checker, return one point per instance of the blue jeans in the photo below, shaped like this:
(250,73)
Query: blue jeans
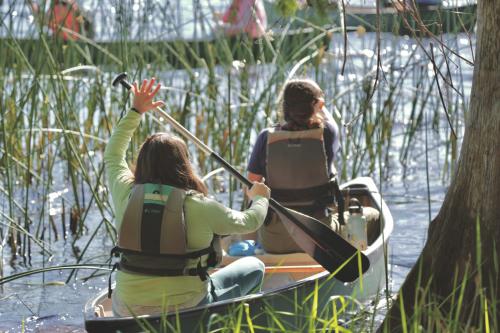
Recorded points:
(239,278)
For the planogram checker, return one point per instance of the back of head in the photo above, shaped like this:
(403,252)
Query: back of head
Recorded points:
(298,99)
(164,159)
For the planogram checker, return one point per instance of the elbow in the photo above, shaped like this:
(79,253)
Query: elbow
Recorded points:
(255,221)
(111,157)
(107,157)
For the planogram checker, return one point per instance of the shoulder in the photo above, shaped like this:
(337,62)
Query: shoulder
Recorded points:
(331,129)
(202,206)
(197,198)
(264,133)
(194,195)
(330,126)
(262,137)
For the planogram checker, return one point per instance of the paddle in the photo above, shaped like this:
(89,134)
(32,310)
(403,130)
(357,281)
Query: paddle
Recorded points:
(328,248)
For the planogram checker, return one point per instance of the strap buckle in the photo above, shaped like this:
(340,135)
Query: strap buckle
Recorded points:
(202,271)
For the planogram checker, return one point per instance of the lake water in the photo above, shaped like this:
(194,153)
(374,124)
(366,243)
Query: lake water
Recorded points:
(413,191)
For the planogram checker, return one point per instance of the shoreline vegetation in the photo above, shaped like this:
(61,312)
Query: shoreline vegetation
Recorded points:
(400,108)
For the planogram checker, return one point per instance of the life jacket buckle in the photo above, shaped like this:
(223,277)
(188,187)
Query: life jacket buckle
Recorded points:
(202,271)
(115,252)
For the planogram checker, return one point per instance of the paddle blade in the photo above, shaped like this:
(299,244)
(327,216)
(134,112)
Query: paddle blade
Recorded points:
(327,247)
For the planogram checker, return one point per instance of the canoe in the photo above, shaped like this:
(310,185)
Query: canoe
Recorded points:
(289,282)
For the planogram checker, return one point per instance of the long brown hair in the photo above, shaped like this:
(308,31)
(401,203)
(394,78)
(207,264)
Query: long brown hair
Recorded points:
(298,99)
(164,159)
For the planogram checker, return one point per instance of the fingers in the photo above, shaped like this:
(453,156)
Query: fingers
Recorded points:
(143,86)
(147,87)
(155,91)
(262,181)
(144,94)
(259,189)
(150,85)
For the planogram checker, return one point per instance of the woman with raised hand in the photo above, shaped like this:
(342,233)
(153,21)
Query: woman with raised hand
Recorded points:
(168,229)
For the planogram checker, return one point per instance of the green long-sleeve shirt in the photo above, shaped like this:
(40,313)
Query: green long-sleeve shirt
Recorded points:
(204,218)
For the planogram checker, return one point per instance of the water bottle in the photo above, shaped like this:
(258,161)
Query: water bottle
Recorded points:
(356,225)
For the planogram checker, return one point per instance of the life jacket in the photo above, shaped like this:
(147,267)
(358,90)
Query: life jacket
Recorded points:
(297,170)
(152,239)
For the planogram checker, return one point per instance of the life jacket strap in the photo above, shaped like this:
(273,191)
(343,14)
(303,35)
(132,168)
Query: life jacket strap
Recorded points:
(340,201)
(110,291)
(201,271)
(319,197)
(322,193)
(212,290)
(116,251)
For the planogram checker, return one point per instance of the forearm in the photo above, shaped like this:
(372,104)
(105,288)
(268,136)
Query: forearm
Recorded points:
(120,137)
(119,175)
(256,214)
(226,221)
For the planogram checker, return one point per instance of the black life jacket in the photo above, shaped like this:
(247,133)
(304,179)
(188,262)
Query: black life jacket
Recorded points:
(297,170)
(152,239)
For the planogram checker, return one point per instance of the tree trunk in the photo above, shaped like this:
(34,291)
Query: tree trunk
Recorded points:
(452,254)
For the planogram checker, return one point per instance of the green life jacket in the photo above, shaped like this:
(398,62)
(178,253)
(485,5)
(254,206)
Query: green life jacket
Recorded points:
(152,239)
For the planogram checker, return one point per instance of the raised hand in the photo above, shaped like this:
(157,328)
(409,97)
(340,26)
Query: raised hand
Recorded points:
(143,96)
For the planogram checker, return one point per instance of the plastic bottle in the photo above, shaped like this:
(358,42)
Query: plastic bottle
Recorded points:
(356,225)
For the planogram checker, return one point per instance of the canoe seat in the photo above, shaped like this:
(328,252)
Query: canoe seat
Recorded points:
(282,269)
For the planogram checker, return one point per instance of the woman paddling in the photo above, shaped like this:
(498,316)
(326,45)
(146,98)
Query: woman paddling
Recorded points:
(167,227)
(296,158)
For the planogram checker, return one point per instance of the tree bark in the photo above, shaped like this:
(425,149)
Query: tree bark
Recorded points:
(471,207)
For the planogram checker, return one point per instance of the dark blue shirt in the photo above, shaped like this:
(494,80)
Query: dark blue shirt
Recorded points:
(257,163)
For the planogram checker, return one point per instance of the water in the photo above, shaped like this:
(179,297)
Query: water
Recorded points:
(44,303)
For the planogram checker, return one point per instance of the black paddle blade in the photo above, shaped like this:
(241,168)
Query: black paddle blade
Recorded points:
(122,79)
(327,247)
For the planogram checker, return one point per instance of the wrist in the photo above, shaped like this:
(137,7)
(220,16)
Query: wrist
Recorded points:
(258,197)
(135,110)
